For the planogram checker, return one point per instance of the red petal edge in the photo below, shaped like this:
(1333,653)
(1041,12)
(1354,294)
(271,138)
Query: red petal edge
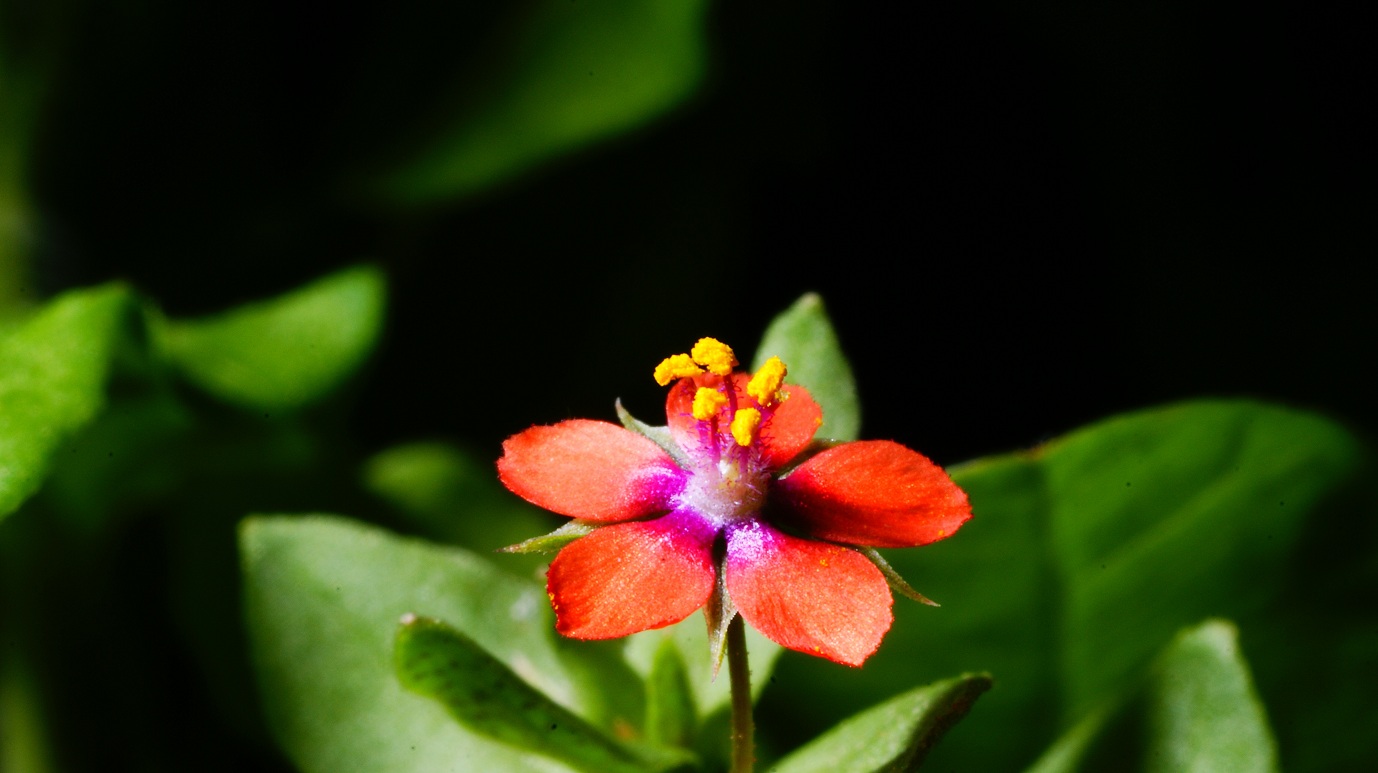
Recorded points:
(592,470)
(873,492)
(631,577)
(814,597)
(791,428)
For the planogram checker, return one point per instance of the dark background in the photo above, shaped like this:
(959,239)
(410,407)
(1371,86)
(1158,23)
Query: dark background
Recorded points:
(1022,218)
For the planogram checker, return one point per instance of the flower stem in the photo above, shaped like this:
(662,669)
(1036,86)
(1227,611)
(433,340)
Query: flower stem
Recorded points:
(743,754)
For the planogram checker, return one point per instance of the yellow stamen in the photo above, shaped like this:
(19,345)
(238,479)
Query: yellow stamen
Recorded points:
(676,366)
(707,402)
(765,385)
(745,424)
(714,355)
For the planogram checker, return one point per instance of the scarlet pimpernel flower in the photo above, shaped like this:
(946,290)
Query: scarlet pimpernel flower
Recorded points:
(732,506)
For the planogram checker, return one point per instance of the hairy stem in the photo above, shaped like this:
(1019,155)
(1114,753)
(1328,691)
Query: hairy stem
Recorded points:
(743,753)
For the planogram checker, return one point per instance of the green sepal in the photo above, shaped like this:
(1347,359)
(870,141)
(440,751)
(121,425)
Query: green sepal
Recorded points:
(552,542)
(897,583)
(718,613)
(659,435)
(484,695)
(893,736)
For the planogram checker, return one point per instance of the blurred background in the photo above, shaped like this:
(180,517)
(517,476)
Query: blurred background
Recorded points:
(1021,217)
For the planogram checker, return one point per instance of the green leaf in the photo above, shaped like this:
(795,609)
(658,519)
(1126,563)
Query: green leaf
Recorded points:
(1085,557)
(671,717)
(438,662)
(567,75)
(894,736)
(711,695)
(803,337)
(1196,710)
(52,382)
(1203,711)
(322,599)
(1162,518)
(283,353)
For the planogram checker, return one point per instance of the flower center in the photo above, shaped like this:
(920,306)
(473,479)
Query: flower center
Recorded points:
(729,490)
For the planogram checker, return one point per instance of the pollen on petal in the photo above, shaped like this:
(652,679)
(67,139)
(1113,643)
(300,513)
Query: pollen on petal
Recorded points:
(676,366)
(714,355)
(745,425)
(707,403)
(765,385)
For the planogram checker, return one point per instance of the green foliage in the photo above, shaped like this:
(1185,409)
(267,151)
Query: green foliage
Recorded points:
(802,336)
(283,353)
(439,662)
(1085,556)
(1204,712)
(1196,710)
(566,74)
(894,736)
(323,597)
(53,382)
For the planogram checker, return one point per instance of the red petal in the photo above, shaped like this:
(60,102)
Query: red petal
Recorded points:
(814,597)
(631,577)
(589,469)
(791,428)
(679,415)
(873,492)
(787,432)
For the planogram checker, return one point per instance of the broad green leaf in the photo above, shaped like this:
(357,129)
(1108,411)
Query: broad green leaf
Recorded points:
(1067,582)
(894,736)
(1203,711)
(53,370)
(484,695)
(566,75)
(803,337)
(286,352)
(323,596)
(1162,518)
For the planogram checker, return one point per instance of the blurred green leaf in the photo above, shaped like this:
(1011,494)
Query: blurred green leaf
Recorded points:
(286,352)
(438,662)
(1204,713)
(323,596)
(1196,710)
(567,74)
(671,717)
(454,495)
(1162,518)
(1084,558)
(803,337)
(894,736)
(52,382)
(690,636)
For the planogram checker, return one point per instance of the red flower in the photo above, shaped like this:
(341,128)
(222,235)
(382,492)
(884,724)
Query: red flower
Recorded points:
(712,502)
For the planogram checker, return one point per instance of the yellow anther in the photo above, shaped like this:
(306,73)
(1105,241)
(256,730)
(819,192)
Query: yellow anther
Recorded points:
(714,355)
(707,402)
(745,424)
(765,385)
(676,366)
